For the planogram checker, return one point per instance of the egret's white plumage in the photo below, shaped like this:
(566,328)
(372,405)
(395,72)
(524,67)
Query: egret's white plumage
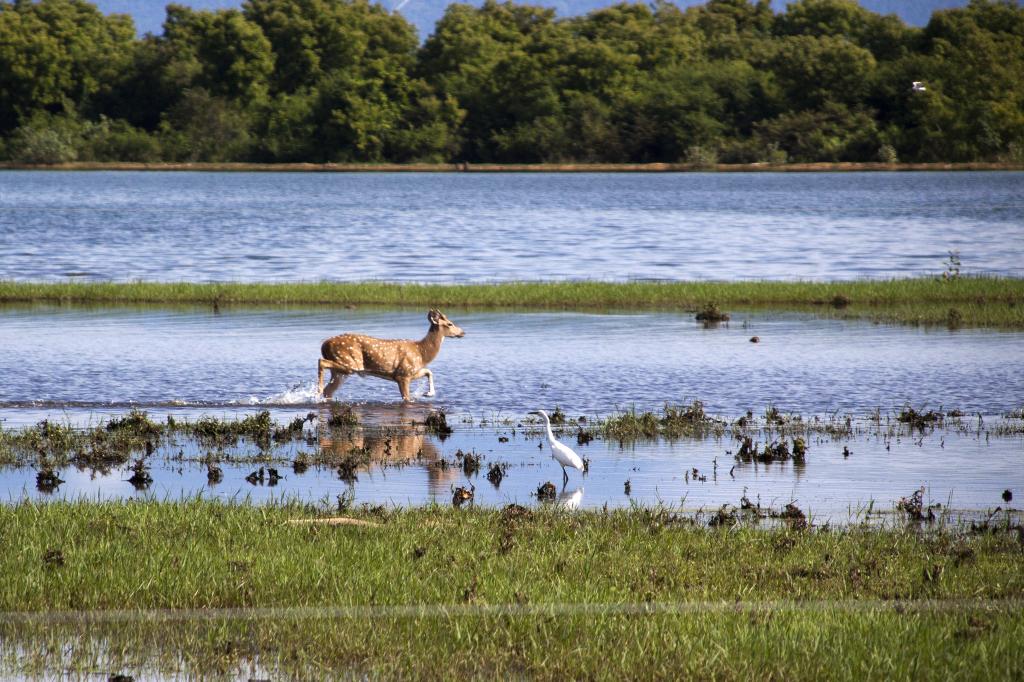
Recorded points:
(562,453)
(918,86)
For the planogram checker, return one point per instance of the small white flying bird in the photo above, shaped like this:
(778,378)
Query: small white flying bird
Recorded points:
(562,453)
(918,86)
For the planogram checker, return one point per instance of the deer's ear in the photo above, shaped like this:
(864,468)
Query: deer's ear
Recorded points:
(434,316)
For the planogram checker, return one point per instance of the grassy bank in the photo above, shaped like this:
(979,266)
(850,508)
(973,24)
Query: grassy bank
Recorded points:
(454,593)
(965,301)
(515,168)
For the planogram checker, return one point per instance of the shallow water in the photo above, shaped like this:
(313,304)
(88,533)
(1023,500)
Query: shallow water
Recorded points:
(86,361)
(489,227)
(81,365)
(960,469)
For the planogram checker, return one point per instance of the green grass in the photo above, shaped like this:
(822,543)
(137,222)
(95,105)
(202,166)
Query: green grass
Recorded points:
(811,604)
(977,301)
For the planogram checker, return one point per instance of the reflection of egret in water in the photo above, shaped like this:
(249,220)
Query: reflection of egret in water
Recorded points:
(570,499)
(392,446)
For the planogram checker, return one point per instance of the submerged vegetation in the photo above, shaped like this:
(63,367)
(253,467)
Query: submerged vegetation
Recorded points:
(335,437)
(947,302)
(524,592)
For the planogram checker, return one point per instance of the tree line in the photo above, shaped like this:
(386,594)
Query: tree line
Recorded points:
(347,81)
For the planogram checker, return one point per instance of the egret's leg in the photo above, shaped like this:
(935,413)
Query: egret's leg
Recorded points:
(565,476)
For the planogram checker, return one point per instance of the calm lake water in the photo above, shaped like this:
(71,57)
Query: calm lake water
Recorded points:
(493,227)
(84,359)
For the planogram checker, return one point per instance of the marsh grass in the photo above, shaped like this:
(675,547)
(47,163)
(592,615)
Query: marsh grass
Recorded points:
(114,442)
(977,301)
(256,438)
(806,604)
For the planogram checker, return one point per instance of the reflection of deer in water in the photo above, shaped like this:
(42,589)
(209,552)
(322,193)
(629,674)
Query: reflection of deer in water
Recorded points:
(383,447)
(399,360)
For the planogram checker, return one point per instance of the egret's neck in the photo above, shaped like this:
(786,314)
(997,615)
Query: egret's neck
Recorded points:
(551,434)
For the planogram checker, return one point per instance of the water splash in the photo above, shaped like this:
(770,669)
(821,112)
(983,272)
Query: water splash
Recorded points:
(302,393)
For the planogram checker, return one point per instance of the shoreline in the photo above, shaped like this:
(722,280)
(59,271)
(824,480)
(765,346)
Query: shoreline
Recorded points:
(240,167)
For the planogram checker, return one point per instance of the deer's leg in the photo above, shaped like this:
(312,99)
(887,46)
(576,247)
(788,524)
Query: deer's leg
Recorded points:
(337,378)
(430,381)
(403,386)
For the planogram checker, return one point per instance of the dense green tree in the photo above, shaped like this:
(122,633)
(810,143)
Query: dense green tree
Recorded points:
(345,80)
(58,56)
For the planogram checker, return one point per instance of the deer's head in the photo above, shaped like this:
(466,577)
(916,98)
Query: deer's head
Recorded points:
(447,327)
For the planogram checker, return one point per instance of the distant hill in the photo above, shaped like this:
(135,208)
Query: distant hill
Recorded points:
(149,14)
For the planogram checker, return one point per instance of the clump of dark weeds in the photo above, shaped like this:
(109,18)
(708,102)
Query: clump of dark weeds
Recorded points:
(135,422)
(918,420)
(351,462)
(795,516)
(462,495)
(140,478)
(496,472)
(437,424)
(512,516)
(283,434)
(773,416)
(214,474)
(546,491)
(583,437)
(342,417)
(725,517)
(675,421)
(915,508)
(256,427)
(840,301)
(53,558)
(557,417)
(776,451)
(515,512)
(470,461)
(300,464)
(711,313)
(47,481)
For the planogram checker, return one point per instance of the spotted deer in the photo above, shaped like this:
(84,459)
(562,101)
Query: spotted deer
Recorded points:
(400,360)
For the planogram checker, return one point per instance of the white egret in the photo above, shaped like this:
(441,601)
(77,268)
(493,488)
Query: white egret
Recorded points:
(918,86)
(562,453)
